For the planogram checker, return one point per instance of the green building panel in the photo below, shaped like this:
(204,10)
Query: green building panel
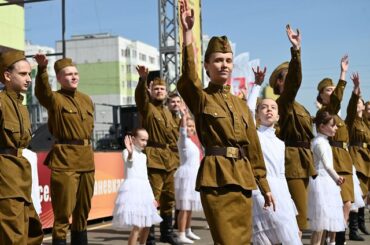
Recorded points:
(12,26)
(99,78)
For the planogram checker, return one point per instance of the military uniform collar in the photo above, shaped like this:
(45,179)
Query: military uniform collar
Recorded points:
(157,102)
(214,87)
(14,95)
(68,92)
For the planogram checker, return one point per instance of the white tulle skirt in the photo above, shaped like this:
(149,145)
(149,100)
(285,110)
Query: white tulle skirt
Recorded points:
(185,195)
(325,205)
(359,202)
(277,227)
(135,205)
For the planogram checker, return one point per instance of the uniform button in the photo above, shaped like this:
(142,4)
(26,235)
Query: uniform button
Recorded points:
(215,113)
(231,107)
(70,111)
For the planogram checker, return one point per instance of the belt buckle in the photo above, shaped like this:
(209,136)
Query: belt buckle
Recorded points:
(365,145)
(86,142)
(345,145)
(19,152)
(232,152)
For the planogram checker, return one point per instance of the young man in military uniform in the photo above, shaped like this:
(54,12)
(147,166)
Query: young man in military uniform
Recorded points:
(71,122)
(19,222)
(295,127)
(161,150)
(233,165)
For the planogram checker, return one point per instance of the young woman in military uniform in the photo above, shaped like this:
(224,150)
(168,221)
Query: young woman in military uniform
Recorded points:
(359,148)
(233,162)
(330,98)
(19,222)
(295,125)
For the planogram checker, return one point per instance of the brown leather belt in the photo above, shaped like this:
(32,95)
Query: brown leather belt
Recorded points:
(301,144)
(230,151)
(74,142)
(339,144)
(11,151)
(162,146)
(360,144)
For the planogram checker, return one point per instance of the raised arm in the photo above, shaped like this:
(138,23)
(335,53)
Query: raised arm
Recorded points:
(189,84)
(293,78)
(183,132)
(141,92)
(352,104)
(337,95)
(43,90)
(259,76)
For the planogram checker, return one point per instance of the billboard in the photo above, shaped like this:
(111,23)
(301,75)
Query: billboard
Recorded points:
(108,177)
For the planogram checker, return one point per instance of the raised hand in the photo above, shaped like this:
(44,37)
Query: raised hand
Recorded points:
(143,72)
(344,63)
(355,77)
(187,15)
(356,83)
(294,37)
(259,75)
(129,145)
(41,59)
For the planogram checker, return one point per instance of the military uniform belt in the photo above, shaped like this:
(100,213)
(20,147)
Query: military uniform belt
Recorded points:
(301,144)
(74,142)
(360,144)
(162,146)
(231,152)
(11,151)
(339,144)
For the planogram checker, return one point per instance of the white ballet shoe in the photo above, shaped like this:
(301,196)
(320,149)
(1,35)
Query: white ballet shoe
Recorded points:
(191,235)
(181,238)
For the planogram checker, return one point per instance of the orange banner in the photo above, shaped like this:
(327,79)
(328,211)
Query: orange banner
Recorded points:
(109,169)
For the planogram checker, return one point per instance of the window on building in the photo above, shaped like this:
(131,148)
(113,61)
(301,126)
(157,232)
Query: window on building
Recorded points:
(151,60)
(134,54)
(128,68)
(127,54)
(142,57)
(123,52)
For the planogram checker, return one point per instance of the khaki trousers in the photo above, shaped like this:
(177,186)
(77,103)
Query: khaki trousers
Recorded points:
(228,211)
(19,223)
(298,191)
(71,194)
(163,185)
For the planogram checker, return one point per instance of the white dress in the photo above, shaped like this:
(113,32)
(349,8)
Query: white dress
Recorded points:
(325,205)
(134,204)
(281,226)
(185,177)
(359,201)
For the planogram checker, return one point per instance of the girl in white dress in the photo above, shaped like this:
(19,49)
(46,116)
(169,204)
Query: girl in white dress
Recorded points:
(324,200)
(135,205)
(269,226)
(187,199)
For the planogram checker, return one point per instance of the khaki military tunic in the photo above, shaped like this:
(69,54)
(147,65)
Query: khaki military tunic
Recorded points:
(222,120)
(19,222)
(359,142)
(15,177)
(295,124)
(341,157)
(71,117)
(162,130)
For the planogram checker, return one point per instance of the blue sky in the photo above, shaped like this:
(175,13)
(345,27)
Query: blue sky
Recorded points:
(330,29)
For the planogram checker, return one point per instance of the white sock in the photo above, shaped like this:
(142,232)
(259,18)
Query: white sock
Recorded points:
(191,235)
